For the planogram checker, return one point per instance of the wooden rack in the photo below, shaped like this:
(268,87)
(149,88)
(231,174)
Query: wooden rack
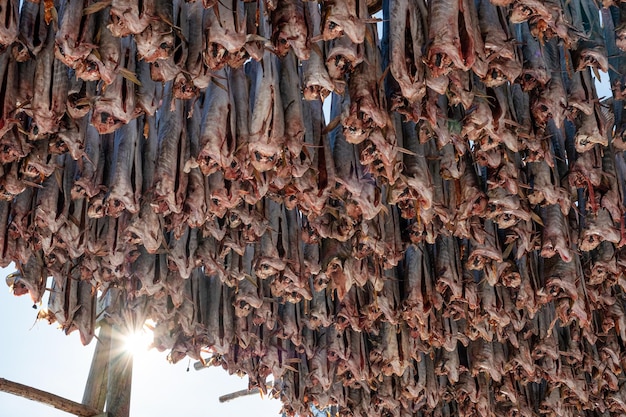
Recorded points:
(108,383)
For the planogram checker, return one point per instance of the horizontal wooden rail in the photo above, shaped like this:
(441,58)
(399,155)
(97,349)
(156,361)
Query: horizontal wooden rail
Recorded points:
(47,398)
(237,394)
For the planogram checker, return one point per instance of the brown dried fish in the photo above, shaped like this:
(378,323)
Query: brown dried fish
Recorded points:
(115,105)
(8,93)
(408,37)
(289,29)
(315,79)
(75,37)
(170,178)
(125,190)
(9,29)
(218,134)
(226,38)
(50,89)
(267,124)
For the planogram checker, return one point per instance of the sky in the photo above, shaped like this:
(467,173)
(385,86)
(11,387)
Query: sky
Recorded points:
(42,356)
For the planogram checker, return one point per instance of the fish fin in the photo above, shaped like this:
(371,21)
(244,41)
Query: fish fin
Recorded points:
(384,74)
(405,151)
(189,165)
(130,76)
(50,12)
(220,85)
(32,184)
(291,368)
(536,218)
(96,7)
(596,73)
(252,37)
(332,125)
(508,250)
(316,48)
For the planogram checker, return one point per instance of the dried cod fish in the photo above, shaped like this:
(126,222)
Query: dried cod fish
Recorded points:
(125,190)
(170,178)
(316,81)
(115,105)
(75,37)
(267,124)
(9,16)
(407,38)
(289,29)
(218,136)
(50,89)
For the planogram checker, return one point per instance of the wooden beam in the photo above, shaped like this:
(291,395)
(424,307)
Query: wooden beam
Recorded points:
(245,392)
(47,398)
(237,394)
(120,375)
(96,387)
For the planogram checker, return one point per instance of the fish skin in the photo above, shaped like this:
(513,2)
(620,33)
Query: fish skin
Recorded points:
(406,61)
(316,81)
(171,158)
(89,178)
(150,92)
(218,140)
(9,30)
(33,32)
(345,17)
(555,236)
(289,29)
(535,68)
(50,89)
(267,123)
(445,50)
(125,190)
(116,105)
(226,40)
(127,18)
(9,106)
(196,45)
(72,45)
(290,89)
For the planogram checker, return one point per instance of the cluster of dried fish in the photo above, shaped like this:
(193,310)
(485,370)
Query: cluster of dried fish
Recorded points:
(452,241)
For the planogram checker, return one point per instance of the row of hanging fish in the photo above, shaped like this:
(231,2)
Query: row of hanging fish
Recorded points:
(449,239)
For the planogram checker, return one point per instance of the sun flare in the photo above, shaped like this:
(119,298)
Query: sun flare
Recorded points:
(138,342)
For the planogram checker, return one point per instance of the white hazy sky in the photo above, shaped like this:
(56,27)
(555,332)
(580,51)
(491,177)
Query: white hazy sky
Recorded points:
(42,356)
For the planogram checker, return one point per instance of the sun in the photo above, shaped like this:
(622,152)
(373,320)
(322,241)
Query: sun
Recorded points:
(139,341)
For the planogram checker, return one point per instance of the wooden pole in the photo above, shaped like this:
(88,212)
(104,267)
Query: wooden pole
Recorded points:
(245,392)
(120,375)
(44,397)
(237,394)
(96,386)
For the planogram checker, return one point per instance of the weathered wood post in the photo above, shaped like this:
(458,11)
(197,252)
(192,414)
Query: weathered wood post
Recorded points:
(120,375)
(97,381)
